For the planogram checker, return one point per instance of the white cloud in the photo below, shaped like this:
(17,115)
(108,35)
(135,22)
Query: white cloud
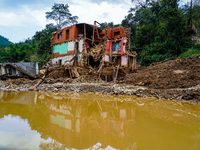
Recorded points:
(23,17)
(16,22)
(103,12)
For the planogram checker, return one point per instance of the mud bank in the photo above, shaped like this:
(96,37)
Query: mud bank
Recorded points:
(192,94)
(170,79)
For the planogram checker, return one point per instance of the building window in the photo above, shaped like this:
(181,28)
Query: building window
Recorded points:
(117,46)
(60,35)
(116,33)
(67,34)
(60,62)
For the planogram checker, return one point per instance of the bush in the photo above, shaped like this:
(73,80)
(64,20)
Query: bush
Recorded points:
(154,52)
(190,53)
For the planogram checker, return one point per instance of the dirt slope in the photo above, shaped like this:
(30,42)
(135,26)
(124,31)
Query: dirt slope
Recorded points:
(179,73)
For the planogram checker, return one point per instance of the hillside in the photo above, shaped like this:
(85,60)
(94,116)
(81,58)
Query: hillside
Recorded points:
(4,41)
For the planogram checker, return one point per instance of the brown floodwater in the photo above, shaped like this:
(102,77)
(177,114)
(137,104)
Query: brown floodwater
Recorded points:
(47,120)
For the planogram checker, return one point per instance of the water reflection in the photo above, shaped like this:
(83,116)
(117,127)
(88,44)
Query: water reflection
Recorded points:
(89,121)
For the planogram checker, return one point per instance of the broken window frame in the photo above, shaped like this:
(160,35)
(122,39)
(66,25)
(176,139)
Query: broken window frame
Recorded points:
(117,43)
(60,35)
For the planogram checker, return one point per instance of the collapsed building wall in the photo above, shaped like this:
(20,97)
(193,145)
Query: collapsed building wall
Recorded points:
(87,45)
(20,69)
(104,53)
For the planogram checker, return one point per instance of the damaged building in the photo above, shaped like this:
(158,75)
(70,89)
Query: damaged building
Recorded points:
(17,70)
(96,46)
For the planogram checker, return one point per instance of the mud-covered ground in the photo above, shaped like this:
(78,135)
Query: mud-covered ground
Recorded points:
(179,73)
(176,79)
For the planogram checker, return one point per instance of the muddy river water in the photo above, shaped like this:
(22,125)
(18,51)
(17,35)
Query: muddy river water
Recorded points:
(45,120)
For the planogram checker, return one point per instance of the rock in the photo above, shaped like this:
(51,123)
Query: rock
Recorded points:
(55,90)
(58,85)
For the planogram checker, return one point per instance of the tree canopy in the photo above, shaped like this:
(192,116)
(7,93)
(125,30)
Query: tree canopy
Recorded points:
(61,15)
(159,29)
(4,42)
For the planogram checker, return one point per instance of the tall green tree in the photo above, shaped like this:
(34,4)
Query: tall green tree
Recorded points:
(61,15)
(175,26)
(42,39)
(159,29)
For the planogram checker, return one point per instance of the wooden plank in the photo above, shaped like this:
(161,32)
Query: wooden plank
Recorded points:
(116,74)
(84,32)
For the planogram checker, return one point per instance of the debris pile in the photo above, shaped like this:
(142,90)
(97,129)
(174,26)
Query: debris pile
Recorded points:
(179,73)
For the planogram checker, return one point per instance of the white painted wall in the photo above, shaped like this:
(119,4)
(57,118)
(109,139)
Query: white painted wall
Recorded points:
(80,46)
(124,60)
(71,45)
(63,58)
(68,58)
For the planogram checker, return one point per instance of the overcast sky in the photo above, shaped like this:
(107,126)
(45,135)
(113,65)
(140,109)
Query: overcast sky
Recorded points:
(20,19)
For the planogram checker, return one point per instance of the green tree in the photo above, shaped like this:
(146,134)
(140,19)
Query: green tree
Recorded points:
(61,15)
(43,50)
(175,26)
(4,41)
(19,51)
(3,53)
(159,29)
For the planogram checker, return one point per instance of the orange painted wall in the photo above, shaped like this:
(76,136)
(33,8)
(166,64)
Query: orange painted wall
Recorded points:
(73,34)
(118,29)
(111,32)
(74,31)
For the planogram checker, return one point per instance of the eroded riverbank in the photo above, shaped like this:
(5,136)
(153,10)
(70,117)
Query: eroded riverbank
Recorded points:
(175,79)
(192,94)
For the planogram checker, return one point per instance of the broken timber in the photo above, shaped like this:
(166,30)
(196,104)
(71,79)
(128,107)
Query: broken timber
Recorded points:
(93,48)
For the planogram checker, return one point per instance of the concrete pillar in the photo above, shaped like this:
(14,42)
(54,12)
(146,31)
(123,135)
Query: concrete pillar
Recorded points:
(37,68)
(3,71)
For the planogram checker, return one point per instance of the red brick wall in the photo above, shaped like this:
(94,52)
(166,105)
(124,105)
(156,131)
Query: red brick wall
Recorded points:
(116,30)
(111,32)
(73,34)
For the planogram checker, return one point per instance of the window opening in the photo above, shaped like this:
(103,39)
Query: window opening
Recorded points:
(60,35)
(67,34)
(117,46)
(116,33)
(60,62)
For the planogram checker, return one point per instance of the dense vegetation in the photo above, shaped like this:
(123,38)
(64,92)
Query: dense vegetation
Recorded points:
(37,49)
(160,29)
(163,29)
(4,42)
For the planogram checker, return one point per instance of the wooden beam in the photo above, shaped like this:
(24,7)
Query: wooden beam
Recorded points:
(85,32)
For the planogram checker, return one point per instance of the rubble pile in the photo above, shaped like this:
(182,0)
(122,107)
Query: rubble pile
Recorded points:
(175,79)
(179,73)
(96,51)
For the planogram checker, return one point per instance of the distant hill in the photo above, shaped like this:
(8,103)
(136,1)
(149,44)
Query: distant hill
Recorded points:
(4,41)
